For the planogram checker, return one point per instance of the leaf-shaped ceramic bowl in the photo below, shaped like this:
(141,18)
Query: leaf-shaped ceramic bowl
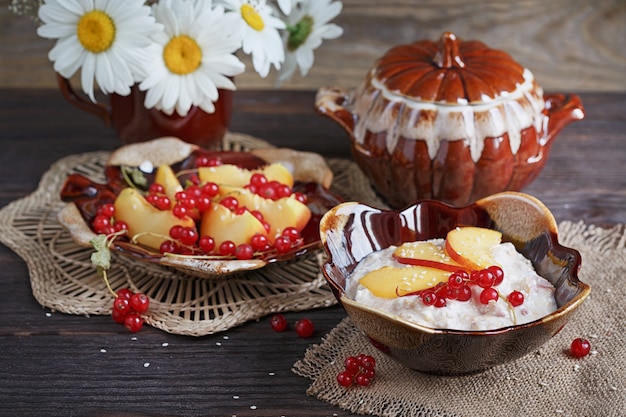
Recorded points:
(311,174)
(351,231)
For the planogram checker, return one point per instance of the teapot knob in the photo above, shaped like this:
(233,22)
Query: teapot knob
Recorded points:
(448,54)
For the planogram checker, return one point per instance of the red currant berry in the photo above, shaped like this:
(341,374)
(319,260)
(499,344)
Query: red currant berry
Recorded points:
(368,362)
(278,323)
(429,297)
(485,278)
(488,294)
(156,188)
(363,380)
(300,197)
(101,223)
(292,233)
(283,190)
(345,378)
(230,202)
(107,210)
(124,293)
(259,242)
(168,246)
(457,279)
(227,248)
(118,317)
(139,303)
(133,322)
(257,179)
(516,298)
(179,210)
(352,364)
(282,244)
(206,243)
(464,293)
(267,190)
(188,236)
(580,347)
(440,302)
(194,191)
(121,305)
(305,328)
(498,274)
(119,226)
(203,203)
(210,189)
(176,231)
(244,252)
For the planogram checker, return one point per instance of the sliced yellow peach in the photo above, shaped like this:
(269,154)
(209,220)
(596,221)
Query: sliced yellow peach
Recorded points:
(167,178)
(390,281)
(280,214)
(233,176)
(222,224)
(142,217)
(471,246)
(426,254)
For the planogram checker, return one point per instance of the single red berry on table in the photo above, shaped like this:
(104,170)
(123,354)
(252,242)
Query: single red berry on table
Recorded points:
(278,323)
(352,364)
(580,347)
(121,305)
(305,328)
(118,317)
(363,380)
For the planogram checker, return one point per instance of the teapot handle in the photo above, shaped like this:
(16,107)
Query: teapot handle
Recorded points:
(332,102)
(101,110)
(562,109)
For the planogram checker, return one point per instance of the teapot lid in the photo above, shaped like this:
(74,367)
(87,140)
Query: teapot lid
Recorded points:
(449,71)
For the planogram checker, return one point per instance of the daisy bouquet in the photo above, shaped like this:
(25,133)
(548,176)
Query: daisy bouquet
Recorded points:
(180,52)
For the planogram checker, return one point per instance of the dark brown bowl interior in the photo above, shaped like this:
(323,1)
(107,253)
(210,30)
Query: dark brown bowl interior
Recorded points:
(352,230)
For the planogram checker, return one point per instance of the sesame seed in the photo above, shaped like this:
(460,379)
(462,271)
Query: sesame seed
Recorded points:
(103,351)
(253,407)
(145,365)
(218,343)
(235,397)
(165,344)
(48,314)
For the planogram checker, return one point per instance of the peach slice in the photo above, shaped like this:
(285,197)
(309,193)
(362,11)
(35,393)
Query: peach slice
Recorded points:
(222,224)
(141,217)
(390,281)
(471,246)
(426,254)
(233,176)
(167,178)
(280,214)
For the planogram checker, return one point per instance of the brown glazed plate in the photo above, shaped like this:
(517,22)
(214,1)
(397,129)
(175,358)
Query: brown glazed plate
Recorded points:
(351,231)
(83,195)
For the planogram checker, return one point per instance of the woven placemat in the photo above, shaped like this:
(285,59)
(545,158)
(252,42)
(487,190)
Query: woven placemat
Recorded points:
(63,278)
(547,382)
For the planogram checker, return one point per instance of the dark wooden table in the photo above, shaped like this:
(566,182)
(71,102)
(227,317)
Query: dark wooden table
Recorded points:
(51,364)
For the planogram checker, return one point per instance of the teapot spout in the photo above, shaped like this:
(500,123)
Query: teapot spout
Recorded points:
(334,102)
(561,110)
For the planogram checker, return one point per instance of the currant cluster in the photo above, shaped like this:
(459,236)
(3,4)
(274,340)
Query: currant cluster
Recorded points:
(105,222)
(458,287)
(580,347)
(197,198)
(128,308)
(358,370)
(304,327)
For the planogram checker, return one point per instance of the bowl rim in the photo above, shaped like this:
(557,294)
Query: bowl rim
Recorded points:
(583,292)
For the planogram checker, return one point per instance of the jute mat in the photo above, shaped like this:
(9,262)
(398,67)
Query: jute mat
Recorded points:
(63,278)
(547,382)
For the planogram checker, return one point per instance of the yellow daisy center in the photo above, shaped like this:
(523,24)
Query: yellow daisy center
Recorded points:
(96,31)
(182,55)
(252,17)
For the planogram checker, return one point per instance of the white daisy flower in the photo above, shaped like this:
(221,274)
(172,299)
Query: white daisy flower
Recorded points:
(258,30)
(307,27)
(192,57)
(105,39)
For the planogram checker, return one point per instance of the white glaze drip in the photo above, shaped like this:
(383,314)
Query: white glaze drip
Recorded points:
(380,110)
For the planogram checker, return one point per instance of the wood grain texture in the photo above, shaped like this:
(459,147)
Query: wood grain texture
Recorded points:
(570,45)
(64,365)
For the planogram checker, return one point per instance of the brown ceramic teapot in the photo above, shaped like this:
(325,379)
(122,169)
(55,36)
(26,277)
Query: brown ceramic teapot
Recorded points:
(450,120)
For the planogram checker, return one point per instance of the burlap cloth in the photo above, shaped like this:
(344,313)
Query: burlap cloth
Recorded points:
(547,382)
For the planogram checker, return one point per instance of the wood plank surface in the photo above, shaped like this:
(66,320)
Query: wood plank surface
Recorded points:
(53,364)
(570,45)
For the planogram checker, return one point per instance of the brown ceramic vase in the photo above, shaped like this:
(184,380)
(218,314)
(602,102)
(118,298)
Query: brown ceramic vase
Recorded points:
(450,120)
(133,122)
